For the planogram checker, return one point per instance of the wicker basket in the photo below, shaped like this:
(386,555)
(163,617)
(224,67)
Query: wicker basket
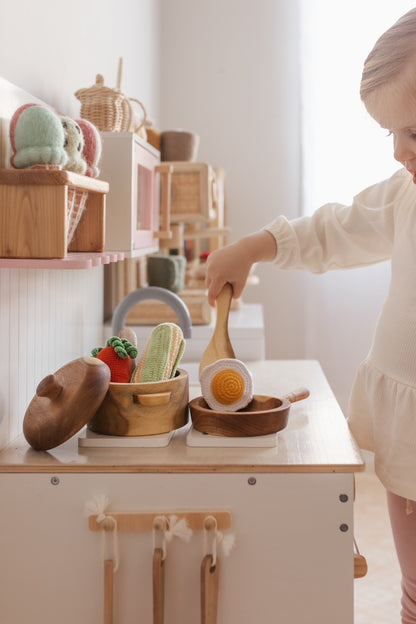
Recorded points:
(75,208)
(102,106)
(76,202)
(109,109)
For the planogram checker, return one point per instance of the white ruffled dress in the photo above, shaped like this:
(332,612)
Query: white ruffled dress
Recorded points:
(379,225)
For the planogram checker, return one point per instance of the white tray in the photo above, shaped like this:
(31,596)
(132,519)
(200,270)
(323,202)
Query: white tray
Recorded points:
(89,439)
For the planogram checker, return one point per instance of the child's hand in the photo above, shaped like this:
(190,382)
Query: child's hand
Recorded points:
(228,264)
(233,263)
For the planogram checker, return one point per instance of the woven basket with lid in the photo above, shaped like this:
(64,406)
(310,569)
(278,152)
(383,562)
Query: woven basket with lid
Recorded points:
(101,105)
(109,109)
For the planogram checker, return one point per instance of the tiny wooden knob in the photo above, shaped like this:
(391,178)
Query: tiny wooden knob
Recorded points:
(160,524)
(49,387)
(210,523)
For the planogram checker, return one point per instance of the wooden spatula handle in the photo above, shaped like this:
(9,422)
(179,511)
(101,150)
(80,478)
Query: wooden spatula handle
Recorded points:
(209,590)
(220,345)
(223,305)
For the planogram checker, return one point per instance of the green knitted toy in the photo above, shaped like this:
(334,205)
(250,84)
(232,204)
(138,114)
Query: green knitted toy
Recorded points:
(162,354)
(37,137)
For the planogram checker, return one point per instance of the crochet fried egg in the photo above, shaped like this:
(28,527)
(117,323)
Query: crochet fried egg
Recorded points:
(226,385)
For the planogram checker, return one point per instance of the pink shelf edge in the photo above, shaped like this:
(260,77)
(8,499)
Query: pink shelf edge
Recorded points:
(76,260)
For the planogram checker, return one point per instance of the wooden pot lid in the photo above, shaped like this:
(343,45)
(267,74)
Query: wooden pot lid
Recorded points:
(64,402)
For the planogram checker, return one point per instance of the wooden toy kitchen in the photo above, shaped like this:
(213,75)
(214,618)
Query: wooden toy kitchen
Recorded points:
(209,520)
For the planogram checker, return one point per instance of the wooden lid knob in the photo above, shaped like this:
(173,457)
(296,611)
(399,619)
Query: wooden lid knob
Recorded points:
(49,387)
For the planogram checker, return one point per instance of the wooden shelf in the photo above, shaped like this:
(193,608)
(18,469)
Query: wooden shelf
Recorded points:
(74,260)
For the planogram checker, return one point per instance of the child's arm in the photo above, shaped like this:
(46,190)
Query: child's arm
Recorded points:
(233,263)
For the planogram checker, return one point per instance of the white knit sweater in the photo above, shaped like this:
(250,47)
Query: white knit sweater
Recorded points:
(379,225)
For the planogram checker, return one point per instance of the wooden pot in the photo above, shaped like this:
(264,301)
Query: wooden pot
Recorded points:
(141,409)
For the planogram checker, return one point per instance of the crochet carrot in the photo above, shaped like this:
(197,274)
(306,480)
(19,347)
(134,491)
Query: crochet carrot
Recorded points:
(117,354)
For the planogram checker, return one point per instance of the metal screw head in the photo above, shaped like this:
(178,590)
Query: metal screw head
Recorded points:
(344,528)
(252,480)
(55,480)
(343,498)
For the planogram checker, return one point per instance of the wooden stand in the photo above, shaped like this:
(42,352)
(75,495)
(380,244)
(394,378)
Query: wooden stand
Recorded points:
(33,213)
(152,312)
(196,199)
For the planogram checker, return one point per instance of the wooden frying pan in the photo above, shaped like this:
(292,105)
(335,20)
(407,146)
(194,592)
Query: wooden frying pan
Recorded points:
(262,416)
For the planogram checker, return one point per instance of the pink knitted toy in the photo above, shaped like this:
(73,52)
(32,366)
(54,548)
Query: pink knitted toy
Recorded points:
(92,147)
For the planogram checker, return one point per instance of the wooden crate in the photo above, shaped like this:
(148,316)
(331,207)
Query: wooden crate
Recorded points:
(33,213)
(191,193)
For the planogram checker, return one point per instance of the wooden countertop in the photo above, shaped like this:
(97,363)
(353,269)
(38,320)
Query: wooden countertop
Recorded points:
(316,439)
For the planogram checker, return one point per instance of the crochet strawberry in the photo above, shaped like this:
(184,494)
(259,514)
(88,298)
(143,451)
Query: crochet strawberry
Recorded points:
(117,354)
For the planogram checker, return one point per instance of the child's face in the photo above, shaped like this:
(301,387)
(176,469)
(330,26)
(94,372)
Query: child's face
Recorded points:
(394,111)
(404,142)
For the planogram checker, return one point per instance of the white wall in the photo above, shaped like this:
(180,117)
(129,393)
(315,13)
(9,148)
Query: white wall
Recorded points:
(52,48)
(344,151)
(43,327)
(228,70)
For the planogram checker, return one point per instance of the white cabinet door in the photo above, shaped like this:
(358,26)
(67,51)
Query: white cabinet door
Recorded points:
(292,562)
(132,208)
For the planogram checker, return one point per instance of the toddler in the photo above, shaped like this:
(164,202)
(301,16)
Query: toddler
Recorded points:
(380,224)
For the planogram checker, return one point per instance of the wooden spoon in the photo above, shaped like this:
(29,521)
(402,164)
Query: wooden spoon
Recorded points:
(220,345)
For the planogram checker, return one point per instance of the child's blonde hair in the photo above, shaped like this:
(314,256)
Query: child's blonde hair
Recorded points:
(393,56)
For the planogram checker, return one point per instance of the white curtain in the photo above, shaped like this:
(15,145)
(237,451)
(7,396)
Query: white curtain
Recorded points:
(343,152)
(343,148)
